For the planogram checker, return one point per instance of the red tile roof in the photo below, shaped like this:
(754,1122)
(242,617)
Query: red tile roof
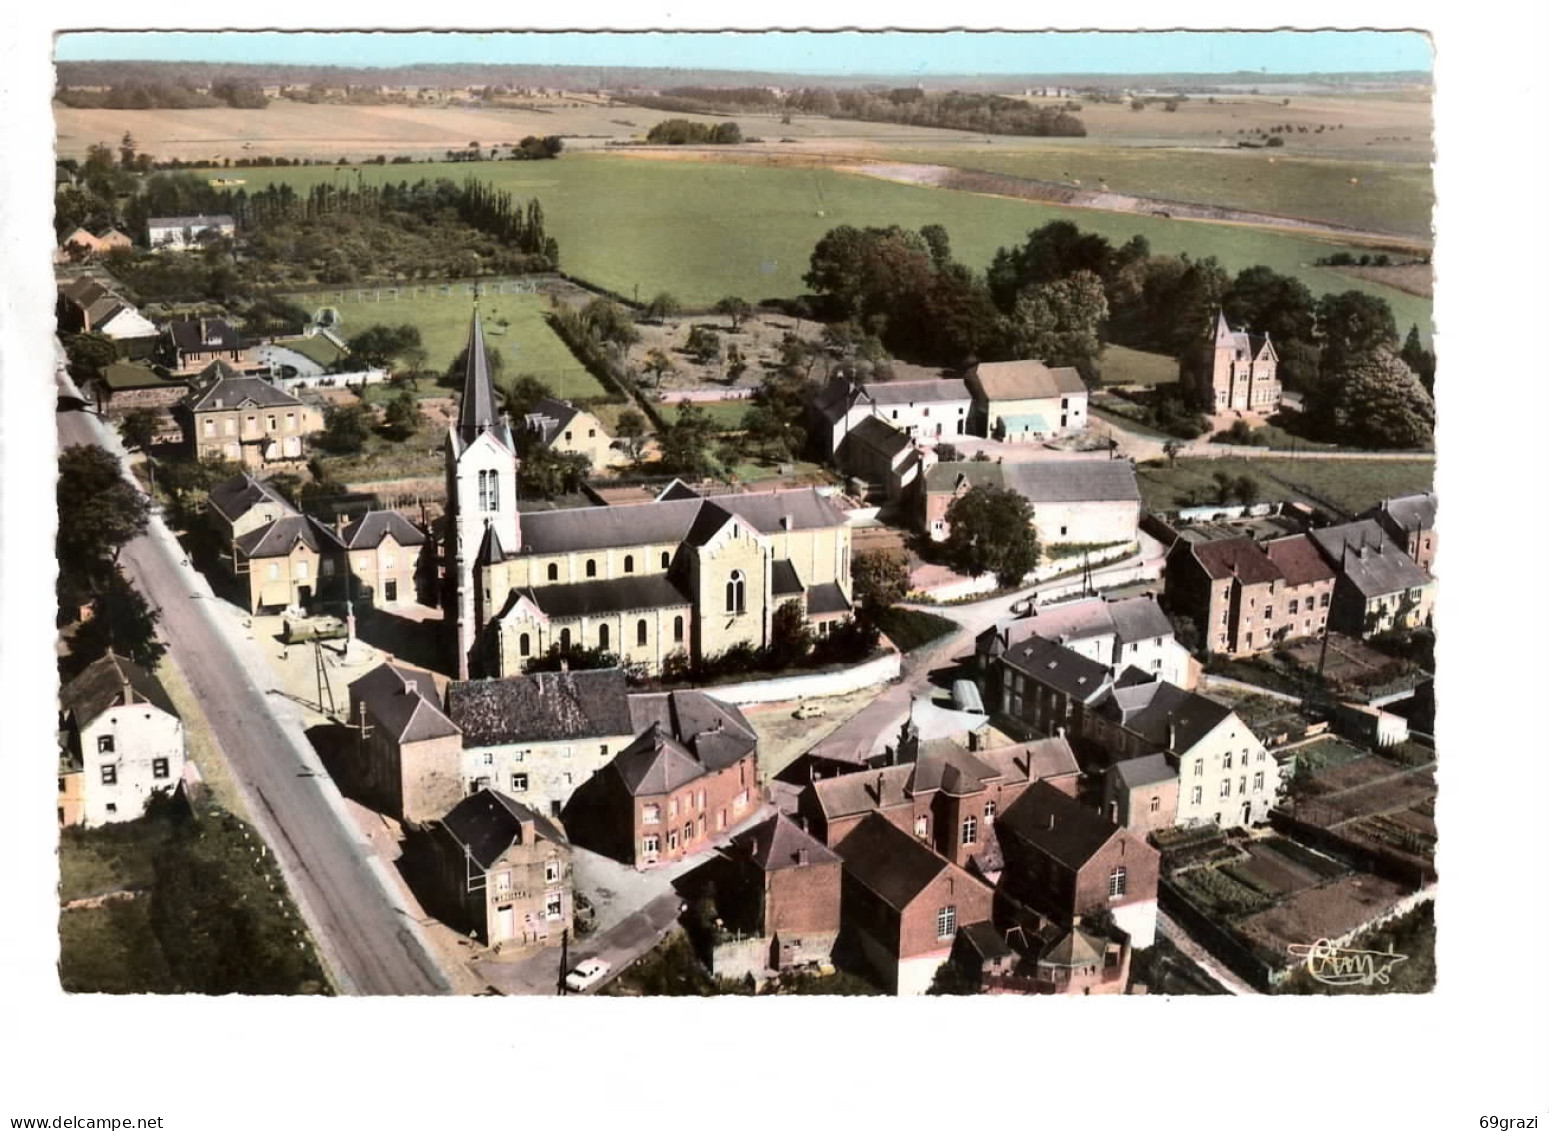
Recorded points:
(1239,557)
(1299,560)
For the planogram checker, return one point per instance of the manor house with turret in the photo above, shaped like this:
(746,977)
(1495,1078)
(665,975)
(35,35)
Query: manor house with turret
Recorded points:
(1237,371)
(683,574)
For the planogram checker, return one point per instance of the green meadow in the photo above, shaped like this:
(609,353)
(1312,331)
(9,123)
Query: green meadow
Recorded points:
(702,230)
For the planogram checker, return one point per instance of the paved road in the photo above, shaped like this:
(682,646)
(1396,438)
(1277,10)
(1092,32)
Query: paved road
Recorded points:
(371,944)
(1141,446)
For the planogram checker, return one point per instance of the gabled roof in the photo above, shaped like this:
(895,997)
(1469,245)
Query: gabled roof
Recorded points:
(373,526)
(541,707)
(1057,825)
(477,411)
(1043,481)
(1369,559)
(784,580)
(848,794)
(825,599)
(779,843)
(404,701)
(1056,666)
(716,733)
(1136,772)
(1298,560)
(108,681)
(234,497)
(1240,558)
(487,823)
(1164,714)
(1251,343)
(656,763)
(1407,513)
(616,595)
(931,391)
(1075,948)
(193,335)
(229,390)
(837,398)
(278,538)
(877,434)
(549,417)
(1025,380)
(893,865)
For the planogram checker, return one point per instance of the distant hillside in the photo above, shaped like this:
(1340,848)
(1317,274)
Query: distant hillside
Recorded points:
(116,72)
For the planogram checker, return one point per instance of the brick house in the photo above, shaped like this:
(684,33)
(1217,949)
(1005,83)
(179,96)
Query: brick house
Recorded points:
(87,304)
(688,779)
(1141,794)
(406,757)
(190,345)
(120,740)
(290,563)
(1410,520)
(537,737)
(941,793)
(505,870)
(1237,371)
(245,419)
(1064,861)
(1026,401)
(1309,585)
(1232,590)
(902,905)
(1377,587)
(384,558)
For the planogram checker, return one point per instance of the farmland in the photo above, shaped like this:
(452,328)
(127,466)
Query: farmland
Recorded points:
(513,324)
(1352,485)
(1124,366)
(706,229)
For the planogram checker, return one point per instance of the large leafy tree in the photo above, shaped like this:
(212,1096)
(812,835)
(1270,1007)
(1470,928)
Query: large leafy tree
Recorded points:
(547,473)
(632,430)
(378,346)
(1380,403)
(736,308)
(1420,359)
(1352,326)
(1052,252)
(346,428)
(123,620)
(1057,322)
(881,580)
(685,443)
(992,532)
(1282,307)
(99,514)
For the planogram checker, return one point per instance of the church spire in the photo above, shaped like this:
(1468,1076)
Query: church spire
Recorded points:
(477,412)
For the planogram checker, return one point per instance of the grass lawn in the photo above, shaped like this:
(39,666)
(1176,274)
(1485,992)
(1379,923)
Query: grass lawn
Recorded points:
(111,950)
(725,415)
(418,457)
(1352,485)
(703,230)
(317,348)
(513,324)
(1388,197)
(912,628)
(93,861)
(1124,366)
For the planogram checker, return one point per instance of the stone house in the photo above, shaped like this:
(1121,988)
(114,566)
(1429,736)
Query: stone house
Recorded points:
(1129,632)
(689,778)
(930,412)
(290,563)
(190,345)
(1066,862)
(121,739)
(1410,520)
(87,304)
(183,233)
(902,904)
(884,458)
(1080,502)
(1026,401)
(407,749)
(1308,588)
(245,419)
(506,870)
(1237,371)
(1235,593)
(1047,686)
(1377,587)
(537,737)
(239,506)
(384,558)
(561,427)
(1141,794)
(939,792)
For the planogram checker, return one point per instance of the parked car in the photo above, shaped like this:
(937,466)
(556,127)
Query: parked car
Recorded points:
(810,711)
(586,975)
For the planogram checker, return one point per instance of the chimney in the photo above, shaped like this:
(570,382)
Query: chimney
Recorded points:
(785,522)
(801,857)
(1051,821)
(1172,736)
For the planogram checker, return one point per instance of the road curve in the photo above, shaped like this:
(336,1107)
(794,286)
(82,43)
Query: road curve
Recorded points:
(368,939)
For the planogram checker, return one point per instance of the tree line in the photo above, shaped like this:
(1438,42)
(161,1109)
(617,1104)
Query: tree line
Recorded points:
(139,95)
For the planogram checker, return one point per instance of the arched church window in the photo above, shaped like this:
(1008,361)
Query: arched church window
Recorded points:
(677,630)
(524,645)
(564,640)
(553,571)
(666,559)
(640,632)
(736,592)
(602,637)
(591,567)
(629,563)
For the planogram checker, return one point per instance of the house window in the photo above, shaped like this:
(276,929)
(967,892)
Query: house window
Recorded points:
(551,871)
(1226,760)
(1258,781)
(1269,611)
(946,922)
(274,571)
(161,768)
(677,630)
(554,906)
(564,640)
(1259,757)
(922,827)
(302,571)
(109,775)
(651,815)
(1156,804)
(489,758)
(112,808)
(640,632)
(524,644)
(736,592)
(1199,768)
(104,744)
(1323,604)
(701,801)
(1199,795)
(1226,787)
(1295,604)
(666,559)
(629,563)
(970,830)
(274,423)
(651,845)
(290,422)
(569,435)
(1242,784)
(672,841)
(591,567)
(231,426)
(1117,880)
(518,783)
(553,572)
(989,811)
(602,637)
(688,833)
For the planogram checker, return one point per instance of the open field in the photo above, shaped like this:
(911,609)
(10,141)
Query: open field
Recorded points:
(513,324)
(1352,485)
(1124,366)
(703,230)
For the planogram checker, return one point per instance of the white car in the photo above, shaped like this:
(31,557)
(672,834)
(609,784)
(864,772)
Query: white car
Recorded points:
(586,975)
(809,711)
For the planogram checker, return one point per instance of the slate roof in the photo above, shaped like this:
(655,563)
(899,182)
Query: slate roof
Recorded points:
(230,390)
(1164,714)
(929,391)
(875,433)
(784,580)
(1025,380)
(670,520)
(240,494)
(541,707)
(617,595)
(715,732)
(84,290)
(1298,560)
(193,335)
(944,765)
(477,411)
(1075,948)
(104,681)
(863,791)
(1374,563)
(373,526)
(1053,665)
(549,416)
(1057,825)
(1138,618)
(1136,772)
(777,843)
(826,599)
(1407,512)
(1241,558)
(889,862)
(658,762)
(1036,760)
(837,398)
(1044,481)
(278,538)
(486,824)
(404,701)
(987,942)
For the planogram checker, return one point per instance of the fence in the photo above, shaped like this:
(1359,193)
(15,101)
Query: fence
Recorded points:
(814,685)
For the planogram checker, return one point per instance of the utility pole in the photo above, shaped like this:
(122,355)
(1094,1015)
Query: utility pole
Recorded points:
(564,959)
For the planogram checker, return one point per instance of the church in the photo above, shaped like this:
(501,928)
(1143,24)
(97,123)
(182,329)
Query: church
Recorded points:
(682,574)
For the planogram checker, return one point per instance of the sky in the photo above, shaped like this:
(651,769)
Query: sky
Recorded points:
(883,53)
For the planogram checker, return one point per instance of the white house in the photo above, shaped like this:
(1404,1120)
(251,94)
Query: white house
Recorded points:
(178,233)
(120,740)
(1119,634)
(1025,401)
(1075,502)
(931,412)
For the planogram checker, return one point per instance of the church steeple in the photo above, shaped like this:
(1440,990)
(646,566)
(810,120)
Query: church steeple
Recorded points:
(477,413)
